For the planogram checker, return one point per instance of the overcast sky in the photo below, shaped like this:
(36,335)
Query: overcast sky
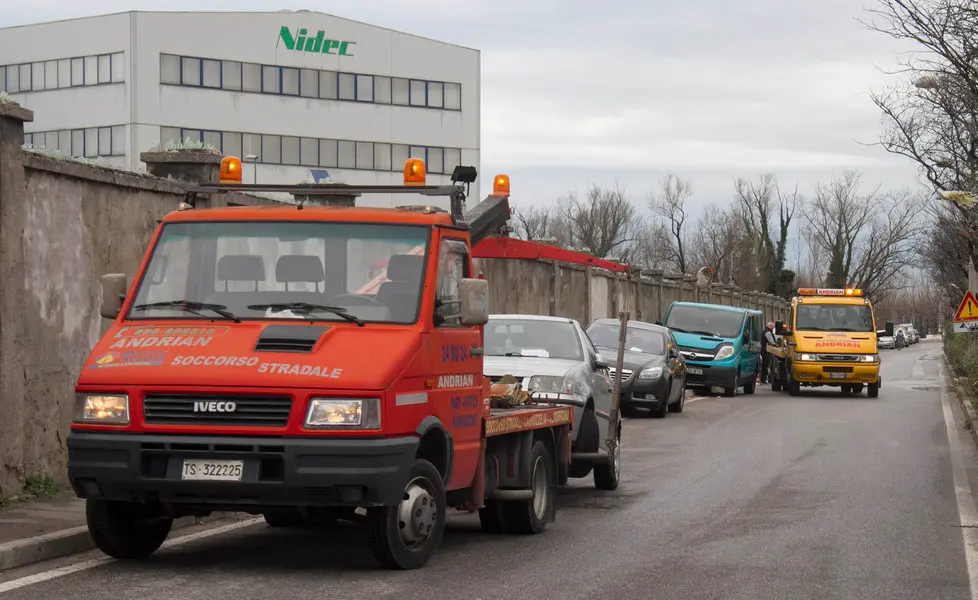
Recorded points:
(577,91)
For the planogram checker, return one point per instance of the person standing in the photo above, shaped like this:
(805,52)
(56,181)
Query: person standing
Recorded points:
(767,339)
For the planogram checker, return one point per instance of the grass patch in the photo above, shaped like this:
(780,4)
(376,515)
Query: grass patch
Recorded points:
(961,350)
(36,487)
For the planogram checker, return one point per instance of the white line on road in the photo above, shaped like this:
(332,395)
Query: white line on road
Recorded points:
(962,489)
(95,562)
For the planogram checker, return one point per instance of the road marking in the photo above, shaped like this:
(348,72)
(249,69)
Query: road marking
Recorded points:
(95,562)
(962,490)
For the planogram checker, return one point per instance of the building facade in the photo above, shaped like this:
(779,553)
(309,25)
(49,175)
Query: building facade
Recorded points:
(299,96)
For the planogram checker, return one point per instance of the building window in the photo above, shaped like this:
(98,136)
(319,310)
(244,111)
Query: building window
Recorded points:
(51,75)
(118,67)
(310,83)
(91,70)
(190,71)
(37,76)
(77,71)
(105,69)
(211,73)
(231,75)
(312,152)
(348,86)
(64,73)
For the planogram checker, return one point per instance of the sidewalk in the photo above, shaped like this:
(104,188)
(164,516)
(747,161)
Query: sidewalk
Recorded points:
(41,530)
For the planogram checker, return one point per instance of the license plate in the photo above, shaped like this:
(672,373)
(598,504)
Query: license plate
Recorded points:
(694,371)
(213,469)
(837,375)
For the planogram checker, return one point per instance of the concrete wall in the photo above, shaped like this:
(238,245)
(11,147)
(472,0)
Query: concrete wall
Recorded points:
(588,293)
(64,223)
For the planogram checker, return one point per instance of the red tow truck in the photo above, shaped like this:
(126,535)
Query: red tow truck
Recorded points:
(258,363)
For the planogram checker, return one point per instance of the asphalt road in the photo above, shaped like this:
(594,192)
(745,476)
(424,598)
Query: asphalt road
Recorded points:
(753,497)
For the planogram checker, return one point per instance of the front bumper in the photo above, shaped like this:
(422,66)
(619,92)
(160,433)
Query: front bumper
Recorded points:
(276,471)
(822,373)
(643,392)
(711,375)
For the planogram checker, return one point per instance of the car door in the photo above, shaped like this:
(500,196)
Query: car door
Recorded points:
(601,387)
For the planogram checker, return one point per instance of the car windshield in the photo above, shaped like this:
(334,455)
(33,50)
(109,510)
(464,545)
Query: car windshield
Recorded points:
(705,321)
(284,270)
(526,337)
(837,317)
(637,339)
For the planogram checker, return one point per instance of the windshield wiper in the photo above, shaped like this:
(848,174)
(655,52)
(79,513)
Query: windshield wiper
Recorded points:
(305,307)
(191,307)
(709,333)
(679,329)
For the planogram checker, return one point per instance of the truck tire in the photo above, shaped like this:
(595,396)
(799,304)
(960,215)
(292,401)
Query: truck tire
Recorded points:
(751,386)
(405,536)
(776,377)
(873,390)
(529,517)
(120,529)
(794,388)
(607,475)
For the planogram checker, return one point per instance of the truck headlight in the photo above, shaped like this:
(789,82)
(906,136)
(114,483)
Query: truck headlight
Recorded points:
(548,384)
(650,373)
(799,356)
(343,413)
(108,409)
(725,351)
(870,358)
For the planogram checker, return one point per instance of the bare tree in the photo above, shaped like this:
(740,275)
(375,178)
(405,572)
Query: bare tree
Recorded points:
(604,222)
(670,206)
(652,248)
(756,205)
(541,223)
(869,239)
(714,241)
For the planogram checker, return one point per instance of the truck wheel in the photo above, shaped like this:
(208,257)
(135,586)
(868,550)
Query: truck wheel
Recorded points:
(873,390)
(491,517)
(529,517)
(125,529)
(751,385)
(406,535)
(607,475)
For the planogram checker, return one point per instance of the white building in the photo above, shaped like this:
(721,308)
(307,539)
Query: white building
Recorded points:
(305,94)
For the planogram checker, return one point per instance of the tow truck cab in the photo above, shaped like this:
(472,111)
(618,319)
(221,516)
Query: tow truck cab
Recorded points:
(830,339)
(258,363)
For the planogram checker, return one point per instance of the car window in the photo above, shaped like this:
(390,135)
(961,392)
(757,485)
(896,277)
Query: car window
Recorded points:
(637,339)
(531,337)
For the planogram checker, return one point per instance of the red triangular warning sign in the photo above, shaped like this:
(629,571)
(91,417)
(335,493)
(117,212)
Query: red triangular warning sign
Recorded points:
(968,309)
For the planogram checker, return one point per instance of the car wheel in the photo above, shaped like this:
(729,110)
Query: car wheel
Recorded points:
(678,406)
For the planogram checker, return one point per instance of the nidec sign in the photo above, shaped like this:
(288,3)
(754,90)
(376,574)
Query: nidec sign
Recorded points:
(302,42)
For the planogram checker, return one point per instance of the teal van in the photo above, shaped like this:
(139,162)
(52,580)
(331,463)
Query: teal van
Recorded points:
(721,344)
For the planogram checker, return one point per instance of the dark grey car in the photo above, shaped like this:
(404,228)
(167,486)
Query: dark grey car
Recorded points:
(653,370)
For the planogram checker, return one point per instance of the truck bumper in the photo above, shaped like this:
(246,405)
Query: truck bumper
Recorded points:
(711,375)
(276,471)
(835,373)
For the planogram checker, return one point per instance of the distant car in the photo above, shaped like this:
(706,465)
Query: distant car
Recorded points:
(886,341)
(653,373)
(556,361)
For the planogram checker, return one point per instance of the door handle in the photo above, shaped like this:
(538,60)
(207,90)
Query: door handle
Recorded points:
(475,351)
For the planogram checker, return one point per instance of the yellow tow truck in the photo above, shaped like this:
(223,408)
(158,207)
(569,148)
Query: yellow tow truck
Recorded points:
(830,339)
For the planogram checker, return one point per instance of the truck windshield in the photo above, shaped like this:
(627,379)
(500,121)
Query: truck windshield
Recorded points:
(284,270)
(834,317)
(705,321)
(530,337)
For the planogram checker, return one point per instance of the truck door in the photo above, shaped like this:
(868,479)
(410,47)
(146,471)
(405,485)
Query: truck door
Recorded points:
(458,361)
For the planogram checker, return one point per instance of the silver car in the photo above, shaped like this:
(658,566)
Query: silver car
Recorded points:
(555,360)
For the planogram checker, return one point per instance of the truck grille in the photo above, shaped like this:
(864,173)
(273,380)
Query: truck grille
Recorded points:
(202,409)
(613,372)
(838,357)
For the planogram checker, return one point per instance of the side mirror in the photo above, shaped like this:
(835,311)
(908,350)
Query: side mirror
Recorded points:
(113,294)
(887,331)
(601,362)
(658,322)
(780,329)
(474,305)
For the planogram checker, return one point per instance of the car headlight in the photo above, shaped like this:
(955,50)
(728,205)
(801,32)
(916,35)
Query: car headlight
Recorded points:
(548,384)
(343,413)
(803,357)
(650,373)
(724,352)
(108,409)
(870,358)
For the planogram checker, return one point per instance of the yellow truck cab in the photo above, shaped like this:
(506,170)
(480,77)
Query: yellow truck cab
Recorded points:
(830,339)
